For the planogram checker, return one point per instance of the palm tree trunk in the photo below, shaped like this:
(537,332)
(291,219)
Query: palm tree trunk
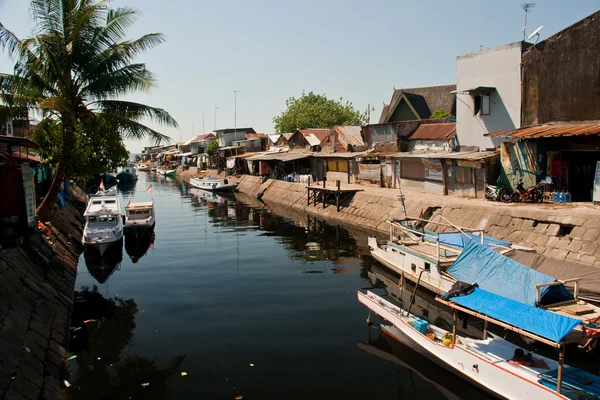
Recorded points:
(46,208)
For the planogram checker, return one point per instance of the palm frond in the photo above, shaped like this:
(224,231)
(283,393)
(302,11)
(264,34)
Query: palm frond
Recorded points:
(9,41)
(134,130)
(135,111)
(134,77)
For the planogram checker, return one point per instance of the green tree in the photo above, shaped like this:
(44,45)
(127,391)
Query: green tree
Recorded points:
(212,148)
(74,67)
(317,111)
(441,113)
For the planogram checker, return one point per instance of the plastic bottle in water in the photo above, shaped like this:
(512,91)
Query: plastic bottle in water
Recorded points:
(568,197)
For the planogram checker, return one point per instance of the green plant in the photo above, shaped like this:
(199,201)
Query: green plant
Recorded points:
(441,113)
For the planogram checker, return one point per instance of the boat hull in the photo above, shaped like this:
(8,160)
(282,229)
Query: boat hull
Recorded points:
(104,246)
(213,186)
(126,177)
(488,371)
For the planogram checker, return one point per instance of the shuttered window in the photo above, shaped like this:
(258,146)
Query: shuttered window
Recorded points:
(412,169)
(464,175)
(337,166)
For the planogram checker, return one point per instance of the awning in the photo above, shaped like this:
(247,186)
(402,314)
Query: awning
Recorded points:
(550,130)
(538,321)
(339,155)
(186,154)
(19,141)
(460,240)
(245,155)
(279,156)
(505,277)
(459,155)
(476,90)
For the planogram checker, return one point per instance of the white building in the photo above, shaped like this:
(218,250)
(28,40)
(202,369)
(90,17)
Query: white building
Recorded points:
(488,90)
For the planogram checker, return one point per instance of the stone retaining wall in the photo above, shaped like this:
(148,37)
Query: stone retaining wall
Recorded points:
(562,233)
(37,281)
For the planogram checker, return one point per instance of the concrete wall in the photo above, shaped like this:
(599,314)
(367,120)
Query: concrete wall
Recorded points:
(430,145)
(561,75)
(499,67)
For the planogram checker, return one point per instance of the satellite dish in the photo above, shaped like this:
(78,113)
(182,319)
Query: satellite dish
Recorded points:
(536,32)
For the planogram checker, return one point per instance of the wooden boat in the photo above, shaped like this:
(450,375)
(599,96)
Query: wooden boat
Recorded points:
(103,221)
(213,184)
(127,174)
(143,167)
(165,172)
(437,260)
(491,362)
(139,215)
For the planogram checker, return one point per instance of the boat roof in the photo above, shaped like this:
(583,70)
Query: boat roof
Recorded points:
(103,205)
(461,239)
(144,204)
(505,277)
(542,325)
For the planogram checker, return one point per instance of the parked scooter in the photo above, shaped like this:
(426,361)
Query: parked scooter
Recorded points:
(497,193)
(533,194)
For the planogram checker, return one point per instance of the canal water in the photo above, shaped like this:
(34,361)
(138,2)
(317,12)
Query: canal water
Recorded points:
(228,299)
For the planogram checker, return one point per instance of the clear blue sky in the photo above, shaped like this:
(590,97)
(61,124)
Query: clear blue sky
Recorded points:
(273,49)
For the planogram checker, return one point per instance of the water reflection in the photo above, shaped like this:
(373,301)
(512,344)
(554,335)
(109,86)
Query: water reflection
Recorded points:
(138,241)
(101,267)
(103,369)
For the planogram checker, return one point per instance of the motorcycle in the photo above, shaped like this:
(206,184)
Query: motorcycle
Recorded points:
(497,193)
(533,194)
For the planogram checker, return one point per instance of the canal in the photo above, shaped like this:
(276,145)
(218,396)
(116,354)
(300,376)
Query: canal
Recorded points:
(229,299)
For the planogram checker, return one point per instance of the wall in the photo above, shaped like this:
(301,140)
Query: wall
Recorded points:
(561,75)
(430,145)
(500,68)
(403,113)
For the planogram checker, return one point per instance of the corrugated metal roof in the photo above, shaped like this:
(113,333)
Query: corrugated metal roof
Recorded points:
(338,155)
(202,137)
(255,135)
(459,155)
(435,132)
(551,130)
(350,135)
(278,156)
(313,140)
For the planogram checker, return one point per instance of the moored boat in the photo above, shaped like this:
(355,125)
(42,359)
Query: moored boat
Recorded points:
(143,167)
(103,221)
(492,363)
(139,215)
(165,172)
(127,174)
(213,184)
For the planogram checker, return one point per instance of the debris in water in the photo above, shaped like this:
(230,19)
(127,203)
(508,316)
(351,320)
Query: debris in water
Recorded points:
(239,397)
(88,321)
(67,384)
(72,357)
(27,349)
(183,373)
(99,358)
(313,271)
(145,384)
(252,365)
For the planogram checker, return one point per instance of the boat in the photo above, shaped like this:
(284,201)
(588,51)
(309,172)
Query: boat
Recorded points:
(213,184)
(165,172)
(492,363)
(437,260)
(143,167)
(103,221)
(127,174)
(139,215)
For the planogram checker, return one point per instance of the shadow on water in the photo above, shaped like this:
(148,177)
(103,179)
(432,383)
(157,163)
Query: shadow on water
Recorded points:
(103,369)
(138,241)
(101,267)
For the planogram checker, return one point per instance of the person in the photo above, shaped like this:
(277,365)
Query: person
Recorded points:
(520,358)
(593,333)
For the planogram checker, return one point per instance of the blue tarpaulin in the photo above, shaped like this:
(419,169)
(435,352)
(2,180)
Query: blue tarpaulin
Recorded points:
(460,240)
(535,320)
(505,277)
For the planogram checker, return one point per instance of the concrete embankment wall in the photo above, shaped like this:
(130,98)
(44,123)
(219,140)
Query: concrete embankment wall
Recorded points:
(559,232)
(37,281)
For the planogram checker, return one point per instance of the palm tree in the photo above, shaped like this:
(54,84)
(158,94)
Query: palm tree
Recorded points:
(74,67)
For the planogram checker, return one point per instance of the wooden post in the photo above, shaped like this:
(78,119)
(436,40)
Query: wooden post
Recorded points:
(412,298)
(485,328)
(337,196)
(308,192)
(561,362)
(454,322)
(324,182)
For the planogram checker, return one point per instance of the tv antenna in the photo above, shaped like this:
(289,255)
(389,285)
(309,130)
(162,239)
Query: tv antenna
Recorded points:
(526,7)
(536,34)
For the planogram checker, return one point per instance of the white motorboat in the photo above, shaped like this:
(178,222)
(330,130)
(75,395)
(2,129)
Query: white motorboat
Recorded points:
(143,167)
(213,184)
(165,172)
(139,215)
(493,363)
(103,221)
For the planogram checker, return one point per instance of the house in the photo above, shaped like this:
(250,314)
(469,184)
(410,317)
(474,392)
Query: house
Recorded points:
(15,127)
(307,140)
(199,144)
(228,135)
(433,138)
(418,103)
(488,89)
(344,139)
(278,141)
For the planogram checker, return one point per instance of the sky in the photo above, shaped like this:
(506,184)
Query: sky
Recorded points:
(269,50)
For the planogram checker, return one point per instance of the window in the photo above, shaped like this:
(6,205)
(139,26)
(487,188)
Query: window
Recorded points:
(481,104)
(427,267)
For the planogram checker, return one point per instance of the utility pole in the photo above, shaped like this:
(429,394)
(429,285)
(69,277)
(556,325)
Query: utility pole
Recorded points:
(526,7)
(368,113)
(235,92)
(215,121)
(203,131)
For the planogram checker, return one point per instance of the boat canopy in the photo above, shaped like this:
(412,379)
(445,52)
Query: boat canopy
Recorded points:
(505,277)
(546,324)
(460,240)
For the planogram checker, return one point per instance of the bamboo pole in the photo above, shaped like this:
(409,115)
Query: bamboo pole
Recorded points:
(561,363)
(454,322)
(412,298)
(485,329)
